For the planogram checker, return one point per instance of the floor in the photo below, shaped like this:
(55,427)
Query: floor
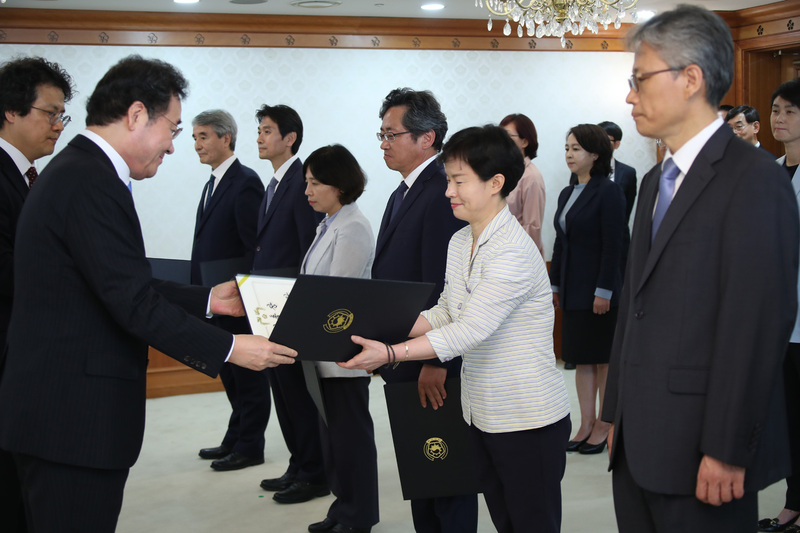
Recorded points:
(172,490)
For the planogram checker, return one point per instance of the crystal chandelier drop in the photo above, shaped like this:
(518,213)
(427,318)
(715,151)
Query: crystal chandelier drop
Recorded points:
(557,17)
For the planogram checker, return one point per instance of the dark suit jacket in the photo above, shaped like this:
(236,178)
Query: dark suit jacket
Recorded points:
(86,308)
(625,177)
(13,191)
(226,229)
(589,254)
(287,230)
(704,322)
(413,246)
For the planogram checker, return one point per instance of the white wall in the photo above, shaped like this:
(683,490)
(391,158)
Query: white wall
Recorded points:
(338,94)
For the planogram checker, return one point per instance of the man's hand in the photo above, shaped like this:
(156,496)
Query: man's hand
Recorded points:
(225,300)
(431,386)
(556,301)
(601,306)
(257,353)
(717,482)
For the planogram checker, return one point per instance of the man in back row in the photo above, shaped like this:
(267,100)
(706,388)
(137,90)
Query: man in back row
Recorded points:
(745,122)
(33,93)
(72,394)
(225,229)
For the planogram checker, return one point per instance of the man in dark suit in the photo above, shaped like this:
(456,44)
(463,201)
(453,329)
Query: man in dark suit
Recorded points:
(708,301)
(72,394)
(33,93)
(745,121)
(226,229)
(412,246)
(622,174)
(287,225)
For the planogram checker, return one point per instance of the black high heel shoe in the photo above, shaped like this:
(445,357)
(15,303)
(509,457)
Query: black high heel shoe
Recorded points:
(772,524)
(592,449)
(574,445)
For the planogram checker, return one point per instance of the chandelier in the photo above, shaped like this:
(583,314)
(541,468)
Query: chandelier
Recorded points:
(548,18)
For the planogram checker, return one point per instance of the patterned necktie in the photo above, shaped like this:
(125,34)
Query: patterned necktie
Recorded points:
(209,192)
(397,198)
(666,190)
(31,174)
(273,183)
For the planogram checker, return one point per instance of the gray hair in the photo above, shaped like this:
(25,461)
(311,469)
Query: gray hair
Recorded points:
(691,35)
(221,121)
(423,113)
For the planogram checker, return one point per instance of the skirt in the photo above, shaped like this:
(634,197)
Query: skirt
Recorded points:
(586,337)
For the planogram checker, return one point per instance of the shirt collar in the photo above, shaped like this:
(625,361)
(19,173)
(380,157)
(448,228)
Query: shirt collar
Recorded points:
(412,177)
(16,156)
(281,172)
(685,156)
(123,171)
(223,167)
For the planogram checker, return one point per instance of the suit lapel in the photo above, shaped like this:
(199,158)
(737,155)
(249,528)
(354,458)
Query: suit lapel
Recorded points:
(699,176)
(224,184)
(327,239)
(582,201)
(11,172)
(388,227)
(293,172)
(795,178)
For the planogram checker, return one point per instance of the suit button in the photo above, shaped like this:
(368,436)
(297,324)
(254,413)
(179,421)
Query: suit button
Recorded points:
(638,315)
(203,366)
(258,248)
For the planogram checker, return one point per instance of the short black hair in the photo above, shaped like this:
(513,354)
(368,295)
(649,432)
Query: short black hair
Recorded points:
(20,80)
(611,129)
(286,118)
(488,150)
(334,165)
(423,113)
(789,91)
(750,113)
(526,130)
(135,79)
(725,107)
(594,140)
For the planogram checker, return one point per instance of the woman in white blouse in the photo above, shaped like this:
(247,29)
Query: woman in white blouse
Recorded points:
(345,247)
(496,313)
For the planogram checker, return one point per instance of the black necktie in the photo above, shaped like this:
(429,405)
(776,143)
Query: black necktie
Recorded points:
(31,174)
(397,198)
(209,191)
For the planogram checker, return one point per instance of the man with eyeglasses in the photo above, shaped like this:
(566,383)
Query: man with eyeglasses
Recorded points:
(708,301)
(745,122)
(412,246)
(33,92)
(86,308)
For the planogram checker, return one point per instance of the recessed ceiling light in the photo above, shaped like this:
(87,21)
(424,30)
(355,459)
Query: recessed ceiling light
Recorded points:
(315,3)
(432,7)
(248,2)
(185,1)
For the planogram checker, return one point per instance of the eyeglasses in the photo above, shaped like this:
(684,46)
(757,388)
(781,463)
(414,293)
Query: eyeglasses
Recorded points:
(55,118)
(636,79)
(390,135)
(739,127)
(177,131)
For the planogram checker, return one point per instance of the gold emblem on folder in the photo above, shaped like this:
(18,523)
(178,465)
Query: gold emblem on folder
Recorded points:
(338,321)
(435,448)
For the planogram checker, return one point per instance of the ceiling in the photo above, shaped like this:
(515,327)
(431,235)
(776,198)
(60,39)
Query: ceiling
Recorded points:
(454,9)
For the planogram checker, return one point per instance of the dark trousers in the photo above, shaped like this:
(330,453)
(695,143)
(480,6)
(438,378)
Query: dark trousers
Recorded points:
(452,514)
(348,448)
(520,476)
(69,498)
(297,416)
(248,394)
(641,511)
(12,511)
(791,375)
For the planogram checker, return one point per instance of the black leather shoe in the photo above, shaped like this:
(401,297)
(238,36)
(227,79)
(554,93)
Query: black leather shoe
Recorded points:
(278,483)
(235,461)
(214,453)
(300,491)
(341,528)
(326,525)
(592,449)
(574,445)
(772,524)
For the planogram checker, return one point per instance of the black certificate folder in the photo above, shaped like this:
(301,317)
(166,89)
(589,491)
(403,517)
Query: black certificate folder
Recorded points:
(435,456)
(322,312)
